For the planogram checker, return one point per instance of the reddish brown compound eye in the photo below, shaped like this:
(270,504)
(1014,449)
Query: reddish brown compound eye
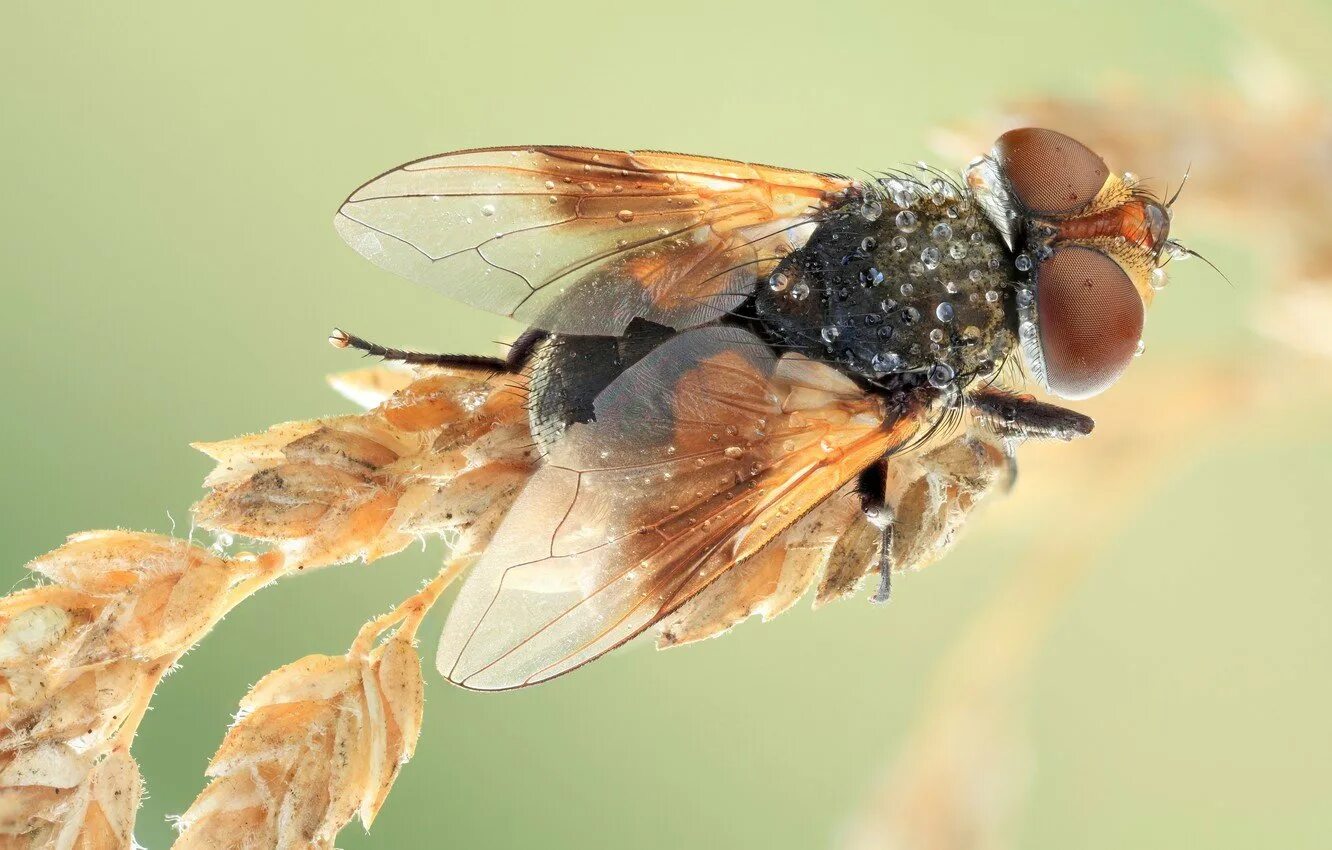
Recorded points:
(1050,173)
(1090,318)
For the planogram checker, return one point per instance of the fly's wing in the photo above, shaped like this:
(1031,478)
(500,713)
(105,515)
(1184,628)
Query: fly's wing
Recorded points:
(700,454)
(832,548)
(583,241)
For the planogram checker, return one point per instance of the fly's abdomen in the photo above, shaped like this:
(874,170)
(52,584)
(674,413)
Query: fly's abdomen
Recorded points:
(567,373)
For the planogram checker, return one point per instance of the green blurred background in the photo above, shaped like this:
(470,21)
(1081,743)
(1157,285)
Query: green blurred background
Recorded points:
(169,272)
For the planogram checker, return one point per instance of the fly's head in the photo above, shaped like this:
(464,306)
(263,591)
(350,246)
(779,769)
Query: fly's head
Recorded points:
(1090,245)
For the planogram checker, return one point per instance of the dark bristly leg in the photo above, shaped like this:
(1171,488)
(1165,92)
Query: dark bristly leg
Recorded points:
(522,348)
(1025,418)
(885,590)
(872,486)
(341,339)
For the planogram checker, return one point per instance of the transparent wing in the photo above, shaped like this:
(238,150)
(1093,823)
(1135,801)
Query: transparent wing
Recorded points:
(699,455)
(583,241)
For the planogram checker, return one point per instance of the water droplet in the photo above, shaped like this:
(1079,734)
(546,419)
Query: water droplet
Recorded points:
(957,250)
(789,446)
(829,334)
(871,277)
(800,291)
(974,275)
(871,210)
(992,296)
(944,312)
(936,335)
(977,237)
(886,361)
(942,231)
(222,541)
(488,209)
(1024,297)
(916,269)
(940,375)
(905,221)
(1027,330)
(930,257)
(899,244)
(779,282)
(734,452)
(1023,263)
(550,184)
(1159,279)
(910,315)
(868,244)
(625,215)
(907,289)
(1142,346)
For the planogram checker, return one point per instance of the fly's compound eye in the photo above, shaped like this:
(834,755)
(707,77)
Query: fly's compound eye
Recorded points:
(1050,173)
(1090,318)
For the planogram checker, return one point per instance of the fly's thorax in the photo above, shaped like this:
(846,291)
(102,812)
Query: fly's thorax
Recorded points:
(911,285)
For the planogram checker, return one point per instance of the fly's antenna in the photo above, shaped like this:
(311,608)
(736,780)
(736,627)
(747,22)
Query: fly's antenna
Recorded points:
(1177,250)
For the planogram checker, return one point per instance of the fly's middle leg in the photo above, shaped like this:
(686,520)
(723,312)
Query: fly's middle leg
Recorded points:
(872,487)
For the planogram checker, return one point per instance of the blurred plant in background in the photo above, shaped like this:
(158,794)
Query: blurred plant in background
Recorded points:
(1260,174)
(316,742)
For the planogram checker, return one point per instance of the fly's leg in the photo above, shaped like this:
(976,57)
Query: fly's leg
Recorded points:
(341,339)
(1022,417)
(872,487)
(1018,418)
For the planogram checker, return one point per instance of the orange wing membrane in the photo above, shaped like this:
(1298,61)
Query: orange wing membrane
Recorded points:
(583,241)
(699,455)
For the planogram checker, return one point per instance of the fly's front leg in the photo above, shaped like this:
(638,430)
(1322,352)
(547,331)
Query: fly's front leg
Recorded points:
(872,486)
(1018,418)
(1022,417)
